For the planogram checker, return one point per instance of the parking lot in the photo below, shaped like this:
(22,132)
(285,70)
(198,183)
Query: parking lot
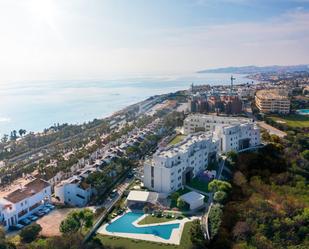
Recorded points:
(50,223)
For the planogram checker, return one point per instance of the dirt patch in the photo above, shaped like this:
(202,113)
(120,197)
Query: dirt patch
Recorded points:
(50,223)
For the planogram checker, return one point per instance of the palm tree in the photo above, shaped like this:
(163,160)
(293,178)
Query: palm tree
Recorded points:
(13,135)
(22,132)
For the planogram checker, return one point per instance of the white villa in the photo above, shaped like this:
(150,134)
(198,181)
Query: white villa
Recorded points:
(18,203)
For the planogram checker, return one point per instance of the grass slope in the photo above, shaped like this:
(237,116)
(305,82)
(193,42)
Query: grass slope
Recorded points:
(293,120)
(153,219)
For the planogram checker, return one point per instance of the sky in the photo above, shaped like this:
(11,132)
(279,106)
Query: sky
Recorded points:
(96,39)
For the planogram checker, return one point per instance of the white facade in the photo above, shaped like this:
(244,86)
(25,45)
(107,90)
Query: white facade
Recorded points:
(169,167)
(73,192)
(23,201)
(238,137)
(233,133)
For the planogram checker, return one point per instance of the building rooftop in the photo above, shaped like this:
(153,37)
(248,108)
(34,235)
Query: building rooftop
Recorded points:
(142,196)
(27,190)
(271,94)
(217,119)
(183,146)
(191,197)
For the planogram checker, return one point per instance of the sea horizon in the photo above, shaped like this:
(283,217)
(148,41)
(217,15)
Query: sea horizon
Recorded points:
(35,105)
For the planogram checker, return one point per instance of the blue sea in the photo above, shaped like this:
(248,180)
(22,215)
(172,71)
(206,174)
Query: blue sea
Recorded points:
(39,104)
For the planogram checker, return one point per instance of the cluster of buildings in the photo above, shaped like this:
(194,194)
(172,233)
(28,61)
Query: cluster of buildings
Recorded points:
(21,200)
(273,101)
(170,168)
(75,191)
(228,104)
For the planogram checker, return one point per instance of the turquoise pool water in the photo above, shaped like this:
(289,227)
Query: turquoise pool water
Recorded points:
(303,111)
(124,225)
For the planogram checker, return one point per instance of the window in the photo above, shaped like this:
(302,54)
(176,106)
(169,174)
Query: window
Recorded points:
(152,171)
(152,183)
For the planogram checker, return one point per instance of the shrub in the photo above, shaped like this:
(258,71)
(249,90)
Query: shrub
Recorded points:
(214,217)
(220,196)
(30,233)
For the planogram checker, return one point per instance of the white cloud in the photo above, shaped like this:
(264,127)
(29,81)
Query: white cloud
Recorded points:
(5,120)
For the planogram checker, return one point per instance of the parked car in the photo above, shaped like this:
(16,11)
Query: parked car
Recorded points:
(32,217)
(114,193)
(39,213)
(50,206)
(25,221)
(45,210)
(16,227)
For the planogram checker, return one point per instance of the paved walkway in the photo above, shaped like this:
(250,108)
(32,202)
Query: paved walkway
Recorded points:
(271,130)
(204,222)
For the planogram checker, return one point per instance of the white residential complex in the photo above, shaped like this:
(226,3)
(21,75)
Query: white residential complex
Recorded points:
(21,201)
(233,133)
(172,167)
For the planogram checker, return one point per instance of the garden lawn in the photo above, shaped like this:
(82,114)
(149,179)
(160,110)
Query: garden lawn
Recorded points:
(199,185)
(294,120)
(115,242)
(176,139)
(149,219)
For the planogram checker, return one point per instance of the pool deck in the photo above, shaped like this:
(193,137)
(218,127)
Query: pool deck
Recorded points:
(175,235)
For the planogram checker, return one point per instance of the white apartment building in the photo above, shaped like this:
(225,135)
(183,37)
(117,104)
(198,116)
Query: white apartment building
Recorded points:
(73,192)
(233,133)
(170,168)
(18,203)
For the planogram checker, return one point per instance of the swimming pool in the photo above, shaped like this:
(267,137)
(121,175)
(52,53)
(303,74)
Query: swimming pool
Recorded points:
(303,111)
(124,225)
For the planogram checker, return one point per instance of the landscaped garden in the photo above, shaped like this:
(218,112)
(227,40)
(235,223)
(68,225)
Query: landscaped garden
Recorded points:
(198,184)
(160,218)
(176,139)
(175,196)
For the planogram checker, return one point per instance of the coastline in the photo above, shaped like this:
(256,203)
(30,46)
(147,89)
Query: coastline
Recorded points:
(37,106)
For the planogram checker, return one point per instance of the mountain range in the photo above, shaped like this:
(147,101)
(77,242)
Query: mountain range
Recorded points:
(257,69)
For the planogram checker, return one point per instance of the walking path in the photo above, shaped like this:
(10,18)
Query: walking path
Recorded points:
(204,221)
(271,130)
(108,204)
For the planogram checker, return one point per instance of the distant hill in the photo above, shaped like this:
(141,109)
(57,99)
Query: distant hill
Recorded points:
(256,69)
